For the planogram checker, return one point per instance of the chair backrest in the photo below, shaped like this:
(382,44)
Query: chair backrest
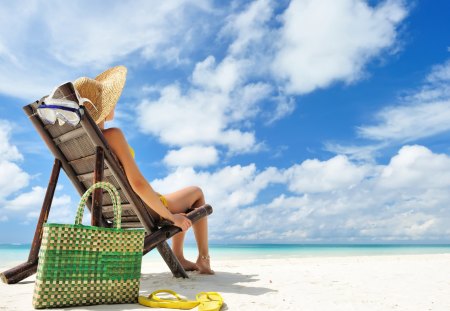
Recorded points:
(75,147)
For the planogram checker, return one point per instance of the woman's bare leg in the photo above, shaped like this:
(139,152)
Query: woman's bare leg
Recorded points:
(179,202)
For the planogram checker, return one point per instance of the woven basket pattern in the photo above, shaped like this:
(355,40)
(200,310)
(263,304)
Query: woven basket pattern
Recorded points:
(86,265)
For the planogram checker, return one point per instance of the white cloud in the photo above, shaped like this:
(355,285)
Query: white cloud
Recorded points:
(104,35)
(244,103)
(14,201)
(346,201)
(192,156)
(220,104)
(440,73)
(408,123)
(284,106)
(422,113)
(65,40)
(211,112)
(416,167)
(322,176)
(64,210)
(356,152)
(27,201)
(230,187)
(327,41)
(403,200)
(222,77)
(29,204)
(177,120)
(403,227)
(32,201)
(12,177)
(249,27)
(217,108)
(198,117)
(253,42)
(8,152)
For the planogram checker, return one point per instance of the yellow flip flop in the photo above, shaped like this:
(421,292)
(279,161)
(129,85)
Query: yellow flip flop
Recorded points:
(209,301)
(154,301)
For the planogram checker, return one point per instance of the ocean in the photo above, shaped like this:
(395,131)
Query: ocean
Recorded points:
(11,254)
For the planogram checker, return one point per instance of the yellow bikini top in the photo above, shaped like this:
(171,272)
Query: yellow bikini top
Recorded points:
(132,151)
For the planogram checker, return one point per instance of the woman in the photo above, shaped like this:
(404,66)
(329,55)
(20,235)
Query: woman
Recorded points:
(103,92)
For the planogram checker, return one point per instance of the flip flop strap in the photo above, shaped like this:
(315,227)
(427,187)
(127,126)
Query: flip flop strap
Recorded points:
(208,295)
(156,298)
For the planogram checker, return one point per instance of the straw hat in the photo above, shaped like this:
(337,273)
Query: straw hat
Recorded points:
(103,91)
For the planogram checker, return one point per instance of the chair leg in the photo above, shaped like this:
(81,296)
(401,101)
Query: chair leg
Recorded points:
(96,208)
(171,260)
(28,268)
(18,273)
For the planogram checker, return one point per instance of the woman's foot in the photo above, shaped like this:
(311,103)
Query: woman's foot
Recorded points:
(188,265)
(203,265)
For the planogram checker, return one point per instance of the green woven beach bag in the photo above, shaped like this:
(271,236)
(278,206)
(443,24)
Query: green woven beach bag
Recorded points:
(87,265)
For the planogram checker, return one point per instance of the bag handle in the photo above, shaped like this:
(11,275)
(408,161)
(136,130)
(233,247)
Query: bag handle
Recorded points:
(115,198)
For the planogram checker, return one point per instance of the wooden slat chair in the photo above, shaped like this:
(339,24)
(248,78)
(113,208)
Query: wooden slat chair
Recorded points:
(85,156)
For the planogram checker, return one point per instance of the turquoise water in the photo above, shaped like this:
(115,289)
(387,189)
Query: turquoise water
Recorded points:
(13,253)
(254,251)
(17,253)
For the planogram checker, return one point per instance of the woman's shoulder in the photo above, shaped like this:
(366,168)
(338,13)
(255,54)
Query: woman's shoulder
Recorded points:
(112,131)
(114,136)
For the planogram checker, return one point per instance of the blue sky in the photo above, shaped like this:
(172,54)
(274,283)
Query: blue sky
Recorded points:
(303,121)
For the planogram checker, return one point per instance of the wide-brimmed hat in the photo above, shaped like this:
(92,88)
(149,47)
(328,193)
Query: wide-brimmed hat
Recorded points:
(103,91)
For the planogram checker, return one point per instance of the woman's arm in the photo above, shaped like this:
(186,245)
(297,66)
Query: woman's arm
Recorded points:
(120,147)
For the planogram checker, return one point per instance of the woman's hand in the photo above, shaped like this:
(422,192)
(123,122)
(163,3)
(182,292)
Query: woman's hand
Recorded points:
(181,221)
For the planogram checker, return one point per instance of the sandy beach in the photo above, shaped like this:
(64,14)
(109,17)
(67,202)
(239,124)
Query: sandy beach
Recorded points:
(394,282)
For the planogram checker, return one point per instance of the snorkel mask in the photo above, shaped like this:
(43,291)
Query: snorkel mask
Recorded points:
(63,105)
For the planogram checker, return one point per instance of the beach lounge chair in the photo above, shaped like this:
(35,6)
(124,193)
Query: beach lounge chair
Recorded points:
(83,153)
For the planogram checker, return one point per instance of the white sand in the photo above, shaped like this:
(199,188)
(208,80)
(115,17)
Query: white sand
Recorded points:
(397,282)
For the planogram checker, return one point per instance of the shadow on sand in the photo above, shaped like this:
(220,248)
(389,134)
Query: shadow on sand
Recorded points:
(221,282)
